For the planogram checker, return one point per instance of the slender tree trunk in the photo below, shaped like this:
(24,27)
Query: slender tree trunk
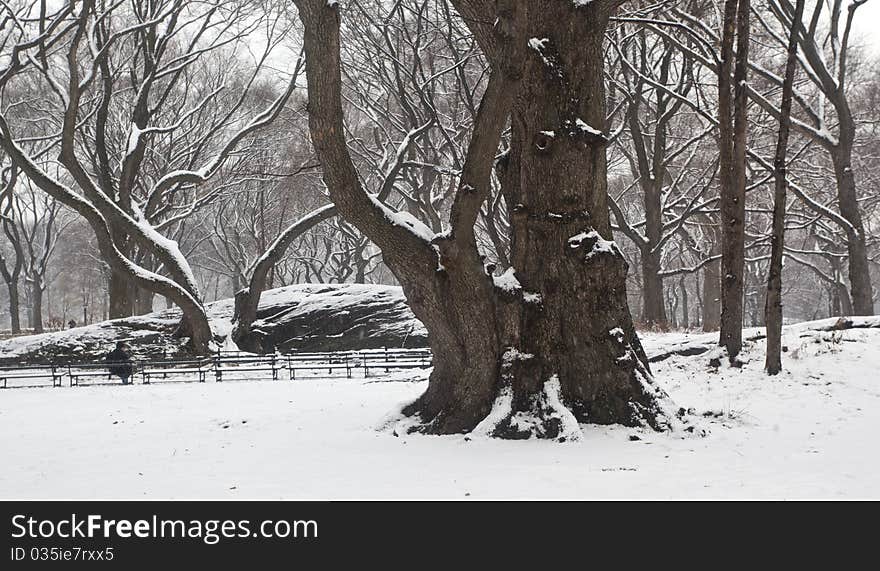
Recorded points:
(712,296)
(773,302)
(673,308)
(37,304)
(733,130)
(652,290)
(833,301)
(685,307)
(859,272)
(12,275)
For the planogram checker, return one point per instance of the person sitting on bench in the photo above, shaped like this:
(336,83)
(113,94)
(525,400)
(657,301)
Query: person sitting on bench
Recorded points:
(120,362)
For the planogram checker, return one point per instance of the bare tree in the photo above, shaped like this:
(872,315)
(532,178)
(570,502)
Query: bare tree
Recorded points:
(551,339)
(665,151)
(138,176)
(733,128)
(773,308)
(40,224)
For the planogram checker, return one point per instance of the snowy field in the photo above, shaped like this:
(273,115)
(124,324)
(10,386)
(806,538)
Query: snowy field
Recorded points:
(808,433)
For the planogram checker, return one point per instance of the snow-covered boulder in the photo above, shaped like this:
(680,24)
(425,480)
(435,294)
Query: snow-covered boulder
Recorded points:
(305,317)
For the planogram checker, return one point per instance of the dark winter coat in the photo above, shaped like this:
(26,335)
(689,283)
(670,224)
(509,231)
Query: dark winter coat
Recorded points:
(121,365)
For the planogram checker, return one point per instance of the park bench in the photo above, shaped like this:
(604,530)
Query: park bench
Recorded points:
(198,368)
(96,371)
(231,362)
(340,361)
(31,373)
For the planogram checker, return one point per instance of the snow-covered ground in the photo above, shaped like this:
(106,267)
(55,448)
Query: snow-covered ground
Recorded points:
(808,433)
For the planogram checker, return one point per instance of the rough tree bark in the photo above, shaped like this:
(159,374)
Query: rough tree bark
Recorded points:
(550,343)
(733,126)
(773,304)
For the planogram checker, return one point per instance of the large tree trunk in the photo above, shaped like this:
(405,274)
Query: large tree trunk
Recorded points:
(551,343)
(562,348)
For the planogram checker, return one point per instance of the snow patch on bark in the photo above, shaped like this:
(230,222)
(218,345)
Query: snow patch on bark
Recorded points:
(502,408)
(133,139)
(570,428)
(405,220)
(531,297)
(538,44)
(512,354)
(546,416)
(595,242)
(172,248)
(507,281)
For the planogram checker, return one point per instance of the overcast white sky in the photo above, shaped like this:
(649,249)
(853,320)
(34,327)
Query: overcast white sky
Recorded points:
(867,25)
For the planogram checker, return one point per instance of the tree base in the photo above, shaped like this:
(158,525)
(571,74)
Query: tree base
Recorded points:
(545,415)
